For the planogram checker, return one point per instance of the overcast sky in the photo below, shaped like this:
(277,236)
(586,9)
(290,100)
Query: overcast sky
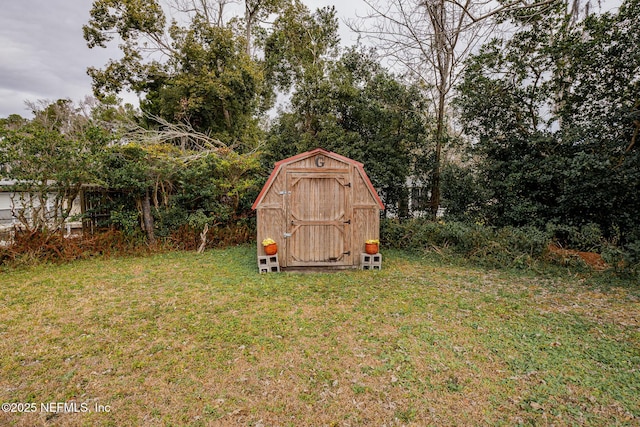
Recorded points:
(43,54)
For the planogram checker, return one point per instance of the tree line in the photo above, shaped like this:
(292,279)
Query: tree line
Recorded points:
(530,126)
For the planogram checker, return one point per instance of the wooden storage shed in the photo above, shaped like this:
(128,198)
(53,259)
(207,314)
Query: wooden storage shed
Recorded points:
(320,208)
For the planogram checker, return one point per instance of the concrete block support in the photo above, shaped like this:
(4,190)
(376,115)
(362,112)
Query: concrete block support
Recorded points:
(370,262)
(268,264)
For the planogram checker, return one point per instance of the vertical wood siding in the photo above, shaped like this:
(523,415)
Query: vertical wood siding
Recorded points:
(328,211)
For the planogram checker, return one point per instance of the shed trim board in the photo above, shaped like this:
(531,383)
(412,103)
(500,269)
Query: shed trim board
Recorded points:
(320,208)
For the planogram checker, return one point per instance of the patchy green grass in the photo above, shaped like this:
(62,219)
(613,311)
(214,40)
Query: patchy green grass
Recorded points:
(204,340)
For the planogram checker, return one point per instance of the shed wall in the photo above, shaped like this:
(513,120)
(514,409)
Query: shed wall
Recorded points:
(366,225)
(270,217)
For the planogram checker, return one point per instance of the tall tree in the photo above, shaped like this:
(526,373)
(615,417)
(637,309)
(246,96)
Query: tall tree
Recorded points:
(554,113)
(255,12)
(362,111)
(430,41)
(300,45)
(195,70)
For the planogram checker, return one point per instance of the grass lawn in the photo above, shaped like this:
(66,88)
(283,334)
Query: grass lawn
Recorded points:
(186,339)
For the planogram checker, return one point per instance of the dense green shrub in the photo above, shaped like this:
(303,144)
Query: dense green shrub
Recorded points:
(519,247)
(508,246)
(463,195)
(588,237)
(127,222)
(184,190)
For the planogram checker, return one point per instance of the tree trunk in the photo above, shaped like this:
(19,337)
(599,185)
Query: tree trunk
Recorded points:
(147,219)
(444,54)
(203,239)
(434,202)
(248,17)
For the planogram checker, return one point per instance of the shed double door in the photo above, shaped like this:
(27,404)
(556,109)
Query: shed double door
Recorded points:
(318,219)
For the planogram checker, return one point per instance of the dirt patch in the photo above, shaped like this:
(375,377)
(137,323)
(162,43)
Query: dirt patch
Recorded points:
(592,259)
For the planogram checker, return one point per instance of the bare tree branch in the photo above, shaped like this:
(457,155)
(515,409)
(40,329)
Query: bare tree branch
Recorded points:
(179,134)
(430,40)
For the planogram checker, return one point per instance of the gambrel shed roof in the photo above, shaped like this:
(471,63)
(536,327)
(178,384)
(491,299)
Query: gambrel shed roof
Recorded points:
(282,163)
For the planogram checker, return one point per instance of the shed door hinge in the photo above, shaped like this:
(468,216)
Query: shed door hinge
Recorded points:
(286,235)
(346,253)
(347,221)
(285,193)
